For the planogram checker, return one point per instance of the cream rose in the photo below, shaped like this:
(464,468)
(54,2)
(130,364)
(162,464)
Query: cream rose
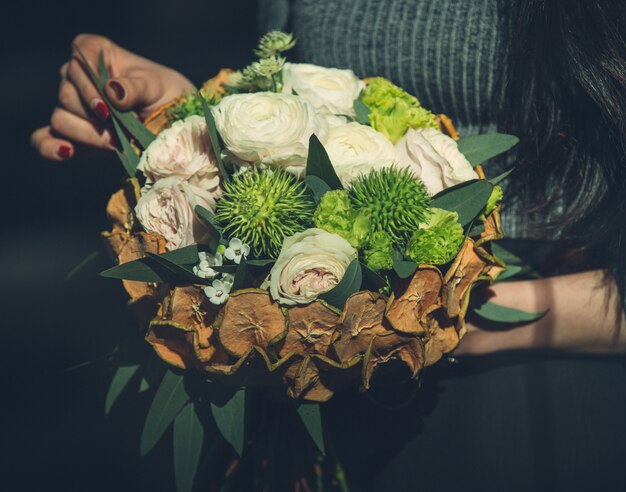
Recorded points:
(183,151)
(434,158)
(167,208)
(310,263)
(268,128)
(356,149)
(329,90)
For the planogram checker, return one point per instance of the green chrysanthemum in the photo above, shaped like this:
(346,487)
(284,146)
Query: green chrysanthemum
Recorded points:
(336,214)
(262,207)
(378,254)
(438,240)
(393,111)
(398,204)
(188,106)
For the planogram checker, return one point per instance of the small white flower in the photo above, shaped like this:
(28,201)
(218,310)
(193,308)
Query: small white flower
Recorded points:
(207,260)
(236,249)
(229,280)
(217,292)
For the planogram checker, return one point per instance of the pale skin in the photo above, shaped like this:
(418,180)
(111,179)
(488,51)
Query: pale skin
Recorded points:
(585,309)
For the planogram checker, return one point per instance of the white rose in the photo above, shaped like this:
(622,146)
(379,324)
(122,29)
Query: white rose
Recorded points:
(310,263)
(356,149)
(434,158)
(268,128)
(167,208)
(183,151)
(329,90)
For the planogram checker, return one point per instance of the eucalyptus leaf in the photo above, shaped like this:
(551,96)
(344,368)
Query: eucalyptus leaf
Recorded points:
(362,112)
(404,268)
(476,229)
(168,401)
(82,264)
(120,380)
(349,284)
(214,137)
(317,186)
(179,272)
(188,439)
(501,177)
(311,417)
(468,199)
(209,219)
(479,148)
(230,419)
(240,275)
(371,279)
(260,262)
(510,272)
(501,314)
(318,164)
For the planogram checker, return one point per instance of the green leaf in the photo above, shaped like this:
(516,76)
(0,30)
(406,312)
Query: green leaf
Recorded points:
(178,271)
(209,219)
(476,229)
(128,120)
(240,275)
(371,279)
(168,401)
(129,158)
(468,199)
(510,272)
(404,268)
(512,260)
(214,137)
(188,439)
(260,262)
(317,186)
(349,284)
(83,263)
(479,148)
(501,314)
(230,419)
(501,177)
(312,419)
(318,164)
(362,112)
(121,378)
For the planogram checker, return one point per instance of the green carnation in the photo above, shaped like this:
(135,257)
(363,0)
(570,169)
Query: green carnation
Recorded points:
(336,214)
(263,207)
(378,254)
(189,105)
(438,240)
(494,199)
(398,204)
(393,111)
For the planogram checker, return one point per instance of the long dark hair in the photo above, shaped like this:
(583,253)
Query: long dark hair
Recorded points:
(565,96)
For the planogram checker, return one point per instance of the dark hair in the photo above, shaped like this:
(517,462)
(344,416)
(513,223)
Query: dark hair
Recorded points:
(565,96)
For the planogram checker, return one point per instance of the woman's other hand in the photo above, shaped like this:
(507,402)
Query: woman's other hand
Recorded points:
(81,115)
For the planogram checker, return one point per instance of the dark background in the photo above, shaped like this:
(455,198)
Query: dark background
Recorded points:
(508,422)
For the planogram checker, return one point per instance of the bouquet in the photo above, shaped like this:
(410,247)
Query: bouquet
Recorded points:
(288,231)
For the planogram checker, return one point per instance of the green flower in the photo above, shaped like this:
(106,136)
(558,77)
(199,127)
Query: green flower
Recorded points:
(262,207)
(398,204)
(336,214)
(438,240)
(273,43)
(494,199)
(393,111)
(187,106)
(378,254)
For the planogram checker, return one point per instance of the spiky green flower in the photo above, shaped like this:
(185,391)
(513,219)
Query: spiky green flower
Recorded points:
(187,106)
(262,207)
(398,204)
(393,111)
(273,43)
(378,254)
(438,240)
(335,213)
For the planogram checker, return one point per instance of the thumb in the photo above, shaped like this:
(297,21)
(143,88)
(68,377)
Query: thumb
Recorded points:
(140,92)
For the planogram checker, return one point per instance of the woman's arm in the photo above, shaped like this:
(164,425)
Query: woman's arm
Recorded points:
(585,315)
(81,117)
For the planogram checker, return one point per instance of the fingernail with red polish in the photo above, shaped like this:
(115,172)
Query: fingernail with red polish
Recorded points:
(118,88)
(100,108)
(65,152)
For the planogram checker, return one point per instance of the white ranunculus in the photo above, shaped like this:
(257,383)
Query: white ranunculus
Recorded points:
(434,158)
(183,151)
(329,90)
(167,208)
(268,128)
(310,263)
(356,149)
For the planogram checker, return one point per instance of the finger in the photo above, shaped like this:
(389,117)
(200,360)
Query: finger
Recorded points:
(137,90)
(79,130)
(87,91)
(70,99)
(63,70)
(51,147)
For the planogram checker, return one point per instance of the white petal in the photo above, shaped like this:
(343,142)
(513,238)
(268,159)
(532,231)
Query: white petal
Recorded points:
(235,243)
(246,250)
(229,254)
(210,291)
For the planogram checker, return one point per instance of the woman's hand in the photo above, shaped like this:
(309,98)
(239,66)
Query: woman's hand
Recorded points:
(585,315)
(81,115)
